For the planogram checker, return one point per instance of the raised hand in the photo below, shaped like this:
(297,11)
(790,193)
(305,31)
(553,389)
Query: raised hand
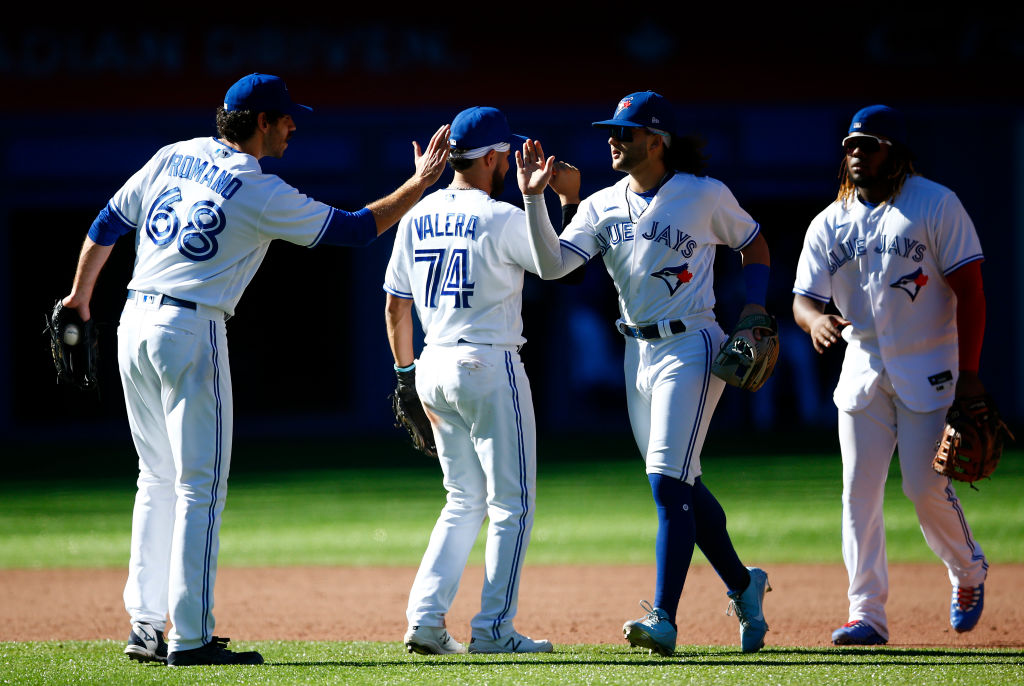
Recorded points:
(533,170)
(430,164)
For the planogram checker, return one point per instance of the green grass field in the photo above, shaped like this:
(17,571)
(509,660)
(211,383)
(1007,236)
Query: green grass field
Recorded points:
(589,511)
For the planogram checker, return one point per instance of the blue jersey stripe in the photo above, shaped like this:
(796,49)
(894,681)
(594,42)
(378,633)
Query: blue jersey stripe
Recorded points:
(207,590)
(398,294)
(576,249)
(966,260)
(700,404)
(751,237)
(813,296)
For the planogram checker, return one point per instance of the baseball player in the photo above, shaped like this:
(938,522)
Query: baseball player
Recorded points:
(459,258)
(900,259)
(202,214)
(657,230)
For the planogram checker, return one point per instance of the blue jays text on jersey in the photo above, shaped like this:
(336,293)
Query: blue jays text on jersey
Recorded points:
(848,249)
(204,173)
(614,234)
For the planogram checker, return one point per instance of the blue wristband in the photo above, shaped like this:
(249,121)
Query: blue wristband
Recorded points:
(755,276)
(406,369)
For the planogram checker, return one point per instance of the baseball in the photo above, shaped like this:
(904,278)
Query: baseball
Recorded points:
(71,334)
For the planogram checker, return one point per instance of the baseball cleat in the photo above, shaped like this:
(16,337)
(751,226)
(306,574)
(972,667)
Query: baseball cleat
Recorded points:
(748,606)
(857,633)
(146,644)
(213,653)
(653,631)
(966,606)
(432,640)
(513,643)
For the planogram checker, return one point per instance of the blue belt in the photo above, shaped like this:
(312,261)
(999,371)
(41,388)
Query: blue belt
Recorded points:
(166,299)
(651,330)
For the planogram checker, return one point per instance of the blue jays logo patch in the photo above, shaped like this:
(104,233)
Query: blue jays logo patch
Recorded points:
(911,283)
(674,277)
(624,104)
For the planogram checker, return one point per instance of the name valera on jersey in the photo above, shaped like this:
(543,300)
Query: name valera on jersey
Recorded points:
(440,225)
(613,234)
(844,251)
(205,173)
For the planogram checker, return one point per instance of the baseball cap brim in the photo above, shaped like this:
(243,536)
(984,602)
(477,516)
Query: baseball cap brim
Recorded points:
(617,122)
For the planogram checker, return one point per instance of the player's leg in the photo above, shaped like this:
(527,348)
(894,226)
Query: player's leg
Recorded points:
(145,593)
(197,402)
(457,527)
(940,513)
(867,439)
(505,437)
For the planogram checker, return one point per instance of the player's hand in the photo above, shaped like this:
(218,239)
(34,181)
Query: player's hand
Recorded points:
(430,163)
(533,170)
(825,331)
(968,385)
(565,181)
(76,303)
(754,308)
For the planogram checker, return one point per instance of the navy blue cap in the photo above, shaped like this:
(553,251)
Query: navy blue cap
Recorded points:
(261,93)
(645,108)
(479,127)
(881,121)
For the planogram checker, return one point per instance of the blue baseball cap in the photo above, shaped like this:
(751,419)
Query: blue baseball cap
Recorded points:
(881,121)
(479,127)
(262,93)
(645,108)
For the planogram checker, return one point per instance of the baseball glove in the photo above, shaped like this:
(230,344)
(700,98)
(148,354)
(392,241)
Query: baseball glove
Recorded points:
(744,361)
(972,441)
(409,413)
(75,348)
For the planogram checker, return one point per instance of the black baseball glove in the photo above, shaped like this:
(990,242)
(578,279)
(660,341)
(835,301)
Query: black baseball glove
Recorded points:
(75,348)
(744,361)
(972,440)
(409,413)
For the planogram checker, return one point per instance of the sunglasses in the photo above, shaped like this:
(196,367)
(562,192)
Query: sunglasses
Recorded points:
(867,144)
(621,133)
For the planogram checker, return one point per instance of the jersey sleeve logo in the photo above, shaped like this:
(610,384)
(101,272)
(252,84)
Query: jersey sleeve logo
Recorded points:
(911,283)
(674,277)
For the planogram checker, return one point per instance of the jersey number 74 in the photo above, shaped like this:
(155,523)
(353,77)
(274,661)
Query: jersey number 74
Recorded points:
(447,275)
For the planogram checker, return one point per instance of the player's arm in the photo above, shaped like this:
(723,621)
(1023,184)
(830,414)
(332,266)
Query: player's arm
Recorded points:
(90,262)
(551,259)
(429,165)
(756,260)
(398,318)
(565,182)
(970,325)
(810,316)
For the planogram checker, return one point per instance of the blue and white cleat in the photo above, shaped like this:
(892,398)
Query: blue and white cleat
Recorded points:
(653,631)
(748,607)
(966,606)
(857,633)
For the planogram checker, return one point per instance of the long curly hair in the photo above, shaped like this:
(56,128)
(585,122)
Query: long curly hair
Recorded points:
(897,169)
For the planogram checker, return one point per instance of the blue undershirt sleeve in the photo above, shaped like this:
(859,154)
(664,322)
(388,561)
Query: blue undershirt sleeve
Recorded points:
(108,227)
(350,228)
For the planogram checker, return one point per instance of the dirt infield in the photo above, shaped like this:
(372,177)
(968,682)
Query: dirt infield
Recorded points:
(565,604)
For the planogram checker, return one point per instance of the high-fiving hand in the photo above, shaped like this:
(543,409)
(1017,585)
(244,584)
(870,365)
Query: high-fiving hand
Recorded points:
(533,169)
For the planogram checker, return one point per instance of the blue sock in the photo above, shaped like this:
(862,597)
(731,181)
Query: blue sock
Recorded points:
(676,537)
(713,539)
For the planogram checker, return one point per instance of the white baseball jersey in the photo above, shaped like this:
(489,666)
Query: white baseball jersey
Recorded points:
(461,256)
(661,255)
(182,201)
(885,268)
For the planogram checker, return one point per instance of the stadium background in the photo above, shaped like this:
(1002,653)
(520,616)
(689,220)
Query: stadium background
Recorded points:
(84,105)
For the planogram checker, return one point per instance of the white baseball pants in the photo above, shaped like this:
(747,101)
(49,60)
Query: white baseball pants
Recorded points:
(867,439)
(177,389)
(481,407)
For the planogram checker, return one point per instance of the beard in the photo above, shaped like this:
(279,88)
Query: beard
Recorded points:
(497,184)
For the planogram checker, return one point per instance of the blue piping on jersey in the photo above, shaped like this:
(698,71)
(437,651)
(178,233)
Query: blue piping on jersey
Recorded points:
(212,514)
(398,294)
(751,237)
(813,296)
(574,248)
(972,258)
(968,540)
(513,584)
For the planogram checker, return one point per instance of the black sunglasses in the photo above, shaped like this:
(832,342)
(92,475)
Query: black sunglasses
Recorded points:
(621,133)
(867,144)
